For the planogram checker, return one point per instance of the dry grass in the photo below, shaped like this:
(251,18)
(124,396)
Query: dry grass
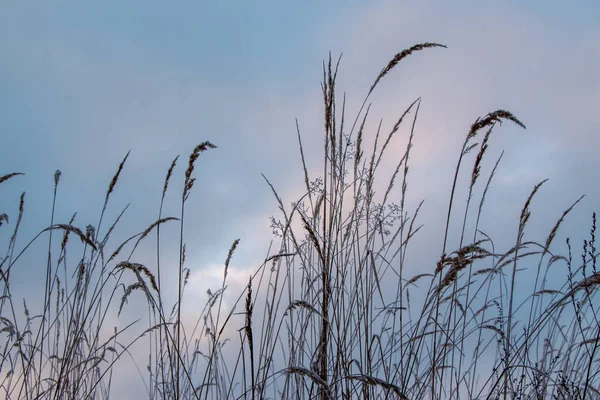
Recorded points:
(329,314)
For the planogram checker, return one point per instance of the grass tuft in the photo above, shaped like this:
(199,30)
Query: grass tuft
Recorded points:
(336,310)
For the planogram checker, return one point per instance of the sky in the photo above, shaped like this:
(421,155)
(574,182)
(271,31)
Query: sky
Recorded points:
(83,83)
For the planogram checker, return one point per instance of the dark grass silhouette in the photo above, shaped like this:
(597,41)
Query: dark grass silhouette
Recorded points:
(329,314)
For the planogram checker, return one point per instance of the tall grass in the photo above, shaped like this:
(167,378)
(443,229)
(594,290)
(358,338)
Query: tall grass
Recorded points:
(329,314)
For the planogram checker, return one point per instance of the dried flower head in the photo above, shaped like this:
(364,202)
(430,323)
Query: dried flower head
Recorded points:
(189,181)
(8,176)
(57,175)
(398,57)
(90,232)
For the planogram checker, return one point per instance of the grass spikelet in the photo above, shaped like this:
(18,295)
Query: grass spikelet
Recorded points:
(57,175)
(120,247)
(328,89)
(3,218)
(90,232)
(373,381)
(359,140)
(313,238)
(249,336)
(115,178)
(229,255)
(136,268)
(495,329)
(146,271)
(73,229)
(302,304)
(168,177)
(547,291)
(487,186)
(398,57)
(459,305)
(8,176)
(557,225)
(21,207)
(491,119)
(155,224)
(65,239)
(128,290)
(484,271)
(464,257)
(525,212)
(416,278)
(189,181)
(479,158)
(13,238)
(317,209)
(395,129)
(439,267)
(276,257)
(589,282)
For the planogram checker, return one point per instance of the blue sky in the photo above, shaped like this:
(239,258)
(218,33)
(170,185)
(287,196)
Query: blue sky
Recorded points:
(81,83)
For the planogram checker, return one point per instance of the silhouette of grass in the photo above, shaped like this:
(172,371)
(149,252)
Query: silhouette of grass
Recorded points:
(328,314)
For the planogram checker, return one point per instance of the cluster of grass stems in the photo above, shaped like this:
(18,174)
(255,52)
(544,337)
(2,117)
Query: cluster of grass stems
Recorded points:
(329,314)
